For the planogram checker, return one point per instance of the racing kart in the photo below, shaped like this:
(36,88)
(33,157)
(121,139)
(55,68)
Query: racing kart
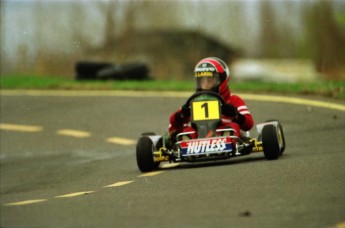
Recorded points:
(212,144)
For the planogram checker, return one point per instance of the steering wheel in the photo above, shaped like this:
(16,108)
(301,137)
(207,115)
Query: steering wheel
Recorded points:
(220,98)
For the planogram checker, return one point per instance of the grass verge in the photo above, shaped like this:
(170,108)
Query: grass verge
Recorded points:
(331,89)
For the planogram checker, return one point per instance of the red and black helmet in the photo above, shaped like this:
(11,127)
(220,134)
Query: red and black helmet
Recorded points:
(214,68)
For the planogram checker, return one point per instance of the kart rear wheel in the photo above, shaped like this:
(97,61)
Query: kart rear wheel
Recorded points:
(144,153)
(271,142)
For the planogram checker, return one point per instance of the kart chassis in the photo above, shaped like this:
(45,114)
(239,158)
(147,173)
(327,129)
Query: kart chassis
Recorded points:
(212,143)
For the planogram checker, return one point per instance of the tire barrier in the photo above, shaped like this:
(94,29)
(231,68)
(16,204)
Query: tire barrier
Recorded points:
(109,71)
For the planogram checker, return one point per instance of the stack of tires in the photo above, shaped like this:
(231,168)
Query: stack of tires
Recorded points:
(109,71)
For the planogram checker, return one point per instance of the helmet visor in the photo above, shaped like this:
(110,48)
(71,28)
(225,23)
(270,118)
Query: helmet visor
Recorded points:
(207,83)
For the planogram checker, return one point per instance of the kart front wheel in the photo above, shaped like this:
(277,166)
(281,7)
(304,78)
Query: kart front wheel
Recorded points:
(272,142)
(281,136)
(144,154)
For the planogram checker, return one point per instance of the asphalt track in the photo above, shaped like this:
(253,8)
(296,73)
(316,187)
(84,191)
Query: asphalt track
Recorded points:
(68,160)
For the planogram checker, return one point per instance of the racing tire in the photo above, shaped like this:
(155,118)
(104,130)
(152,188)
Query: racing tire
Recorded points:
(270,142)
(135,71)
(159,144)
(281,138)
(144,154)
(280,135)
(88,70)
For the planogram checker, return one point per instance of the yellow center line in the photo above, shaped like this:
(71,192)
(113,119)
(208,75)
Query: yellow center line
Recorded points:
(74,194)
(20,127)
(26,202)
(121,141)
(117,184)
(74,133)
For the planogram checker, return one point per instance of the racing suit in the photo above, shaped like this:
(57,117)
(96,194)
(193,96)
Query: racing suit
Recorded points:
(239,120)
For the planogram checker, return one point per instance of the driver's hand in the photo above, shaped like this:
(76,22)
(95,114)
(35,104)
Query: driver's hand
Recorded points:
(229,110)
(183,114)
(185,110)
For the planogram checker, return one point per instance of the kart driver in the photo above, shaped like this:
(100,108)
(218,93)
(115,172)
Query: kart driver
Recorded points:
(212,74)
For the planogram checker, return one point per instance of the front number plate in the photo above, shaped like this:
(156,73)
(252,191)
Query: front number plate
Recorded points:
(205,110)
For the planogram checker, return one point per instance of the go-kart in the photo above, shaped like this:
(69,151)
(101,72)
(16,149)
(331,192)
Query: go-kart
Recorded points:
(211,144)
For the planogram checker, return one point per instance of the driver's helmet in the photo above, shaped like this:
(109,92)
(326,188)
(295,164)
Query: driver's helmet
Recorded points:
(211,74)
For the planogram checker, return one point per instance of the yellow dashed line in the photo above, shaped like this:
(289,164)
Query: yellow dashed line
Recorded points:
(19,127)
(74,133)
(117,184)
(121,141)
(26,202)
(150,174)
(74,194)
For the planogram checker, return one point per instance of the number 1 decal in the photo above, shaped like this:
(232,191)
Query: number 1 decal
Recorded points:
(205,110)
(205,105)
